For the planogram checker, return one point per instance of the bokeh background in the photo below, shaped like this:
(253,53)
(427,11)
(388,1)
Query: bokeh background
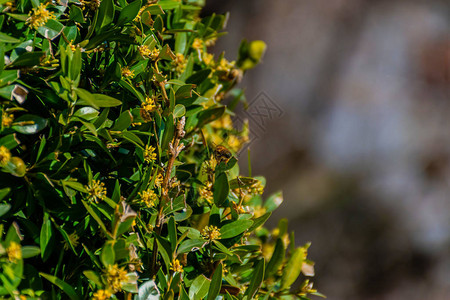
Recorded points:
(361,148)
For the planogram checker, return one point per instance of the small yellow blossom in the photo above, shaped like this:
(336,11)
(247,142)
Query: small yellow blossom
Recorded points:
(224,122)
(206,192)
(176,266)
(73,237)
(126,72)
(210,165)
(101,295)
(159,180)
(147,107)
(149,198)
(211,233)
(306,288)
(14,252)
(149,104)
(116,277)
(210,41)
(207,58)
(7,119)
(149,154)
(197,44)
(144,50)
(225,65)
(39,16)
(179,63)
(5,156)
(154,54)
(96,191)
(138,16)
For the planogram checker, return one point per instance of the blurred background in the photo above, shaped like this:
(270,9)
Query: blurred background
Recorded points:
(351,115)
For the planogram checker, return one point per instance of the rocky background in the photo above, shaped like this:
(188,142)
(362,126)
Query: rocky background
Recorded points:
(350,115)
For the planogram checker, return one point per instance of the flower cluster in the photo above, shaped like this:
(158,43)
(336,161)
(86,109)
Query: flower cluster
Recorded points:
(149,198)
(116,277)
(149,154)
(5,156)
(39,16)
(176,266)
(210,233)
(14,252)
(96,191)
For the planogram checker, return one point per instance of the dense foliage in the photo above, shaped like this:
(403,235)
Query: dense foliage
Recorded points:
(117,155)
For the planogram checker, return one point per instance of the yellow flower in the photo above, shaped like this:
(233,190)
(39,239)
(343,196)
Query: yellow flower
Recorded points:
(306,288)
(115,277)
(7,119)
(207,58)
(176,266)
(147,107)
(159,180)
(5,156)
(149,154)
(211,233)
(149,198)
(126,72)
(206,192)
(224,122)
(179,63)
(96,190)
(144,50)
(210,41)
(73,237)
(14,252)
(225,65)
(154,54)
(39,16)
(197,44)
(210,165)
(101,295)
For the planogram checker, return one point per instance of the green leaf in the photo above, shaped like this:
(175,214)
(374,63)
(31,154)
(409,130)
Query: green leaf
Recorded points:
(108,256)
(30,251)
(45,237)
(259,221)
(210,115)
(29,59)
(216,283)
(274,201)
(168,133)
(148,291)
(221,189)
(29,124)
(8,76)
(234,228)
(76,14)
(123,121)
(4,208)
(129,12)
(199,76)
(199,287)
(277,258)
(4,38)
(69,290)
(93,276)
(4,192)
(105,15)
(293,268)
(179,111)
(51,29)
(189,245)
(257,278)
(96,100)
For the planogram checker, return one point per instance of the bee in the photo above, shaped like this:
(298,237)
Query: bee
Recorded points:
(222,154)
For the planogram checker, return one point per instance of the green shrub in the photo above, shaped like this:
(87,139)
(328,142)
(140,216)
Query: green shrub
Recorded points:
(117,155)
